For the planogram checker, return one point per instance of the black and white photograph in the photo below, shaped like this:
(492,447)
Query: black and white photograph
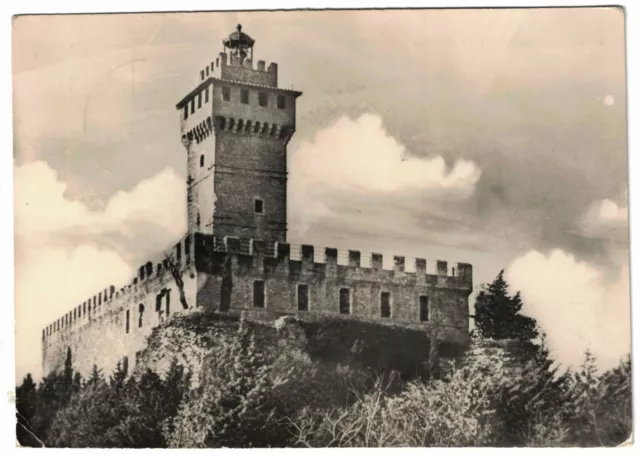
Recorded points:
(322,229)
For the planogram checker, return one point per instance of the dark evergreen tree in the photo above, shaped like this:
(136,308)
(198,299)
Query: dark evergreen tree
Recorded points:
(497,315)
(95,377)
(26,407)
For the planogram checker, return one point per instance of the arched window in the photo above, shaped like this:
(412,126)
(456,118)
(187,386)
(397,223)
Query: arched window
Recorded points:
(232,123)
(240,125)
(223,122)
(257,128)
(273,129)
(248,127)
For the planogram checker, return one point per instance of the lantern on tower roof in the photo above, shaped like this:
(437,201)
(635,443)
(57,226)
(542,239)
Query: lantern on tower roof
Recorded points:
(239,43)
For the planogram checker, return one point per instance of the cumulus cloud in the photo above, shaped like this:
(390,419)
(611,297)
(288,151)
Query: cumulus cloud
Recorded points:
(41,207)
(576,305)
(359,156)
(606,219)
(62,250)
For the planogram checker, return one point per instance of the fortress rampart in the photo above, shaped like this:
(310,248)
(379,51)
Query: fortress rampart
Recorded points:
(259,279)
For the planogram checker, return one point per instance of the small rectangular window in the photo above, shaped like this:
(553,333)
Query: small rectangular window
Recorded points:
(226,93)
(244,96)
(385,305)
(345,301)
(202,75)
(206,95)
(258,294)
(424,308)
(186,111)
(193,105)
(127,322)
(167,304)
(282,102)
(258,206)
(303,297)
(178,252)
(263,99)
(199,100)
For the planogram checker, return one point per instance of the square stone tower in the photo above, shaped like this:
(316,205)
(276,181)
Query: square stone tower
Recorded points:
(235,125)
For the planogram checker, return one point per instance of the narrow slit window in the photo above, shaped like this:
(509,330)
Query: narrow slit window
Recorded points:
(199,100)
(385,305)
(258,206)
(168,303)
(303,297)
(345,301)
(424,308)
(206,95)
(140,313)
(193,105)
(186,111)
(258,294)
(201,160)
(127,322)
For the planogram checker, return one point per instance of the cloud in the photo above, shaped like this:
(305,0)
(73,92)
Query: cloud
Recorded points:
(65,252)
(576,305)
(42,210)
(605,219)
(358,156)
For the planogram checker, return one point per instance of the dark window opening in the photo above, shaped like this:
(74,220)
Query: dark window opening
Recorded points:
(424,308)
(158,302)
(256,129)
(127,322)
(274,127)
(178,252)
(202,75)
(303,297)
(206,95)
(84,308)
(140,312)
(345,301)
(258,294)
(248,127)
(199,100)
(223,123)
(282,103)
(226,93)
(187,249)
(385,305)
(240,125)
(258,206)
(201,160)
(149,267)
(186,111)
(244,96)
(232,123)
(263,99)
(193,106)
(168,302)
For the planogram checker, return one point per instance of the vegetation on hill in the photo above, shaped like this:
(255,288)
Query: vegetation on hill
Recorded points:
(332,384)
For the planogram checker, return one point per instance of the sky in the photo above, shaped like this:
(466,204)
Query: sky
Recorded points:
(494,137)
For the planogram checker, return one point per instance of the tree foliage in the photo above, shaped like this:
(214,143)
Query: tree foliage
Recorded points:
(497,314)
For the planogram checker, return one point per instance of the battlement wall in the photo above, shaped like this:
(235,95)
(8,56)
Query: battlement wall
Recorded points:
(238,274)
(116,325)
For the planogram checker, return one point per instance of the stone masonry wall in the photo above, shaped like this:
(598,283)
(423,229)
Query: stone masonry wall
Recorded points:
(236,264)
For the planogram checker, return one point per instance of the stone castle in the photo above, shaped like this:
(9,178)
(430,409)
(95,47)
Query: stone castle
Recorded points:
(235,126)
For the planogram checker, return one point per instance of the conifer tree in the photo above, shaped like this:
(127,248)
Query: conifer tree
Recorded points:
(497,315)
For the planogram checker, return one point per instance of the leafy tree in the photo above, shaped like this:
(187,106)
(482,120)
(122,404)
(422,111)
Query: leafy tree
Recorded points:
(233,407)
(497,315)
